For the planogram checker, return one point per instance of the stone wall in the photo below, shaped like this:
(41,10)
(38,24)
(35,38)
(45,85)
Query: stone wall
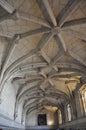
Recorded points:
(8,101)
(7,108)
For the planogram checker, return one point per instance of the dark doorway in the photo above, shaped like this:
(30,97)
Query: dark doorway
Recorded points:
(42,120)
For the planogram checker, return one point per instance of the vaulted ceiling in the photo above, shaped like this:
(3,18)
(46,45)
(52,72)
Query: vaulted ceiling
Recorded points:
(42,49)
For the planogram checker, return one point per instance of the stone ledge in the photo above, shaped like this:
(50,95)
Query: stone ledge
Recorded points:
(79,123)
(7,123)
(44,127)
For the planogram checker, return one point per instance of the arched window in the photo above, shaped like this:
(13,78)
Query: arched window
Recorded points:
(59,117)
(69,112)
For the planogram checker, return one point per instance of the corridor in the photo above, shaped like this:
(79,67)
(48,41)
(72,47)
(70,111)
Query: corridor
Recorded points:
(42,64)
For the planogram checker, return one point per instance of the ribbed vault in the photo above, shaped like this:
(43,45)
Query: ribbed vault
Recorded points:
(42,51)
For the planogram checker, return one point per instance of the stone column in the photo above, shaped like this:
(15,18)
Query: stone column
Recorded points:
(63,114)
(56,118)
(78,106)
(78,101)
(65,111)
